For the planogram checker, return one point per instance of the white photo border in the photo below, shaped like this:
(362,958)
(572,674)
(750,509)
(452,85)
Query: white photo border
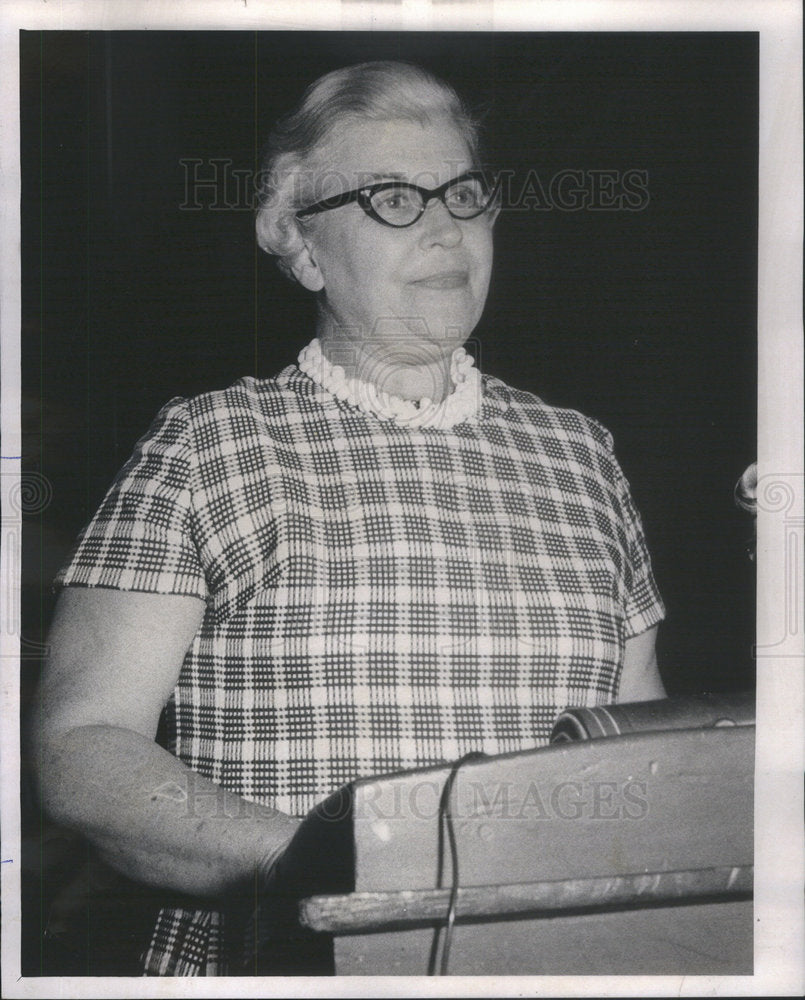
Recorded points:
(779,869)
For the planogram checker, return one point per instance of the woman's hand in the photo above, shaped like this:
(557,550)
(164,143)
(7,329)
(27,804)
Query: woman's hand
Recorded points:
(114,661)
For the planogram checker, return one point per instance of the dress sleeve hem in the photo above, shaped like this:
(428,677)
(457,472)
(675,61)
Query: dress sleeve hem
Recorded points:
(60,584)
(643,621)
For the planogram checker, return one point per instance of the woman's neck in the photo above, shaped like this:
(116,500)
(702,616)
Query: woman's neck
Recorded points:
(412,369)
(461,404)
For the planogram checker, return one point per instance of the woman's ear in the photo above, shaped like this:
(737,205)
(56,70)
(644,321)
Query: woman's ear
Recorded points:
(304,268)
(298,257)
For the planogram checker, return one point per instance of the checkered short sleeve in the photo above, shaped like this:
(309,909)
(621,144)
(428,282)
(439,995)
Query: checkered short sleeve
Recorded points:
(142,536)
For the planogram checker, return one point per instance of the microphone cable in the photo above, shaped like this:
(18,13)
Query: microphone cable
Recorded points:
(445,820)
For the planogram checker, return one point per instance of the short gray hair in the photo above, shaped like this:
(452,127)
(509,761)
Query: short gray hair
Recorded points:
(371,91)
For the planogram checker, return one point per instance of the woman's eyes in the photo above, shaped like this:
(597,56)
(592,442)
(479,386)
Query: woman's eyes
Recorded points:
(394,199)
(464,196)
(467,195)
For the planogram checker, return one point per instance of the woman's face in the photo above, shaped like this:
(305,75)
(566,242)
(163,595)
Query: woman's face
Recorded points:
(418,291)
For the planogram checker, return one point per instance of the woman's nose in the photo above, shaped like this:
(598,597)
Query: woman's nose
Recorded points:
(439,226)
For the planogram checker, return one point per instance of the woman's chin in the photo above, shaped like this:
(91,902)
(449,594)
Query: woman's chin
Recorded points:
(442,329)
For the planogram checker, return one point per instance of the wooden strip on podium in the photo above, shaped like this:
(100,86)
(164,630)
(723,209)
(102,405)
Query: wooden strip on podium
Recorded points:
(361,911)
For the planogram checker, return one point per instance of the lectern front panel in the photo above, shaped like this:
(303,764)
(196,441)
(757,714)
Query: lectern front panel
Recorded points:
(650,802)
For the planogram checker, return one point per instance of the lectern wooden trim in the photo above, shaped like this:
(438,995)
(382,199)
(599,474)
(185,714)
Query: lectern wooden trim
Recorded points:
(369,911)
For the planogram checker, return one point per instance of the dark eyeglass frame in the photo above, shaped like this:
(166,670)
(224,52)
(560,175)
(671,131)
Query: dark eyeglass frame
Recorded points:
(363,196)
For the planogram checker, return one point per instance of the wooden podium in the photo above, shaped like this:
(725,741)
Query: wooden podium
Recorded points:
(625,854)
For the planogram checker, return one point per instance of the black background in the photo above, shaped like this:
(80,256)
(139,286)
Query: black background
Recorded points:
(643,319)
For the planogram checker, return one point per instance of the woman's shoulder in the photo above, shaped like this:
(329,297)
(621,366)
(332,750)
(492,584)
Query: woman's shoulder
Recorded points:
(529,409)
(247,394)
(218,420)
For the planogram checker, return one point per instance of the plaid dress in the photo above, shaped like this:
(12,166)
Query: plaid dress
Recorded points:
(377,597)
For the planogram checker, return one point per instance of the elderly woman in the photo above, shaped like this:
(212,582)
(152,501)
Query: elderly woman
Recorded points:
(379,559)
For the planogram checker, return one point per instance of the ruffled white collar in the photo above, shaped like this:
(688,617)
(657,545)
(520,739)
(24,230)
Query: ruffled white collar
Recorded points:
(463,402)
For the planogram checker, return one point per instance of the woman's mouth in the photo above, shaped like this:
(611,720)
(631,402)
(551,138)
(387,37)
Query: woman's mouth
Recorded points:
(444,280)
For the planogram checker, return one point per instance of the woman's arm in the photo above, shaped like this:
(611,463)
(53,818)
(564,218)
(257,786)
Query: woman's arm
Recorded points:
(640,677)
(114,661)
